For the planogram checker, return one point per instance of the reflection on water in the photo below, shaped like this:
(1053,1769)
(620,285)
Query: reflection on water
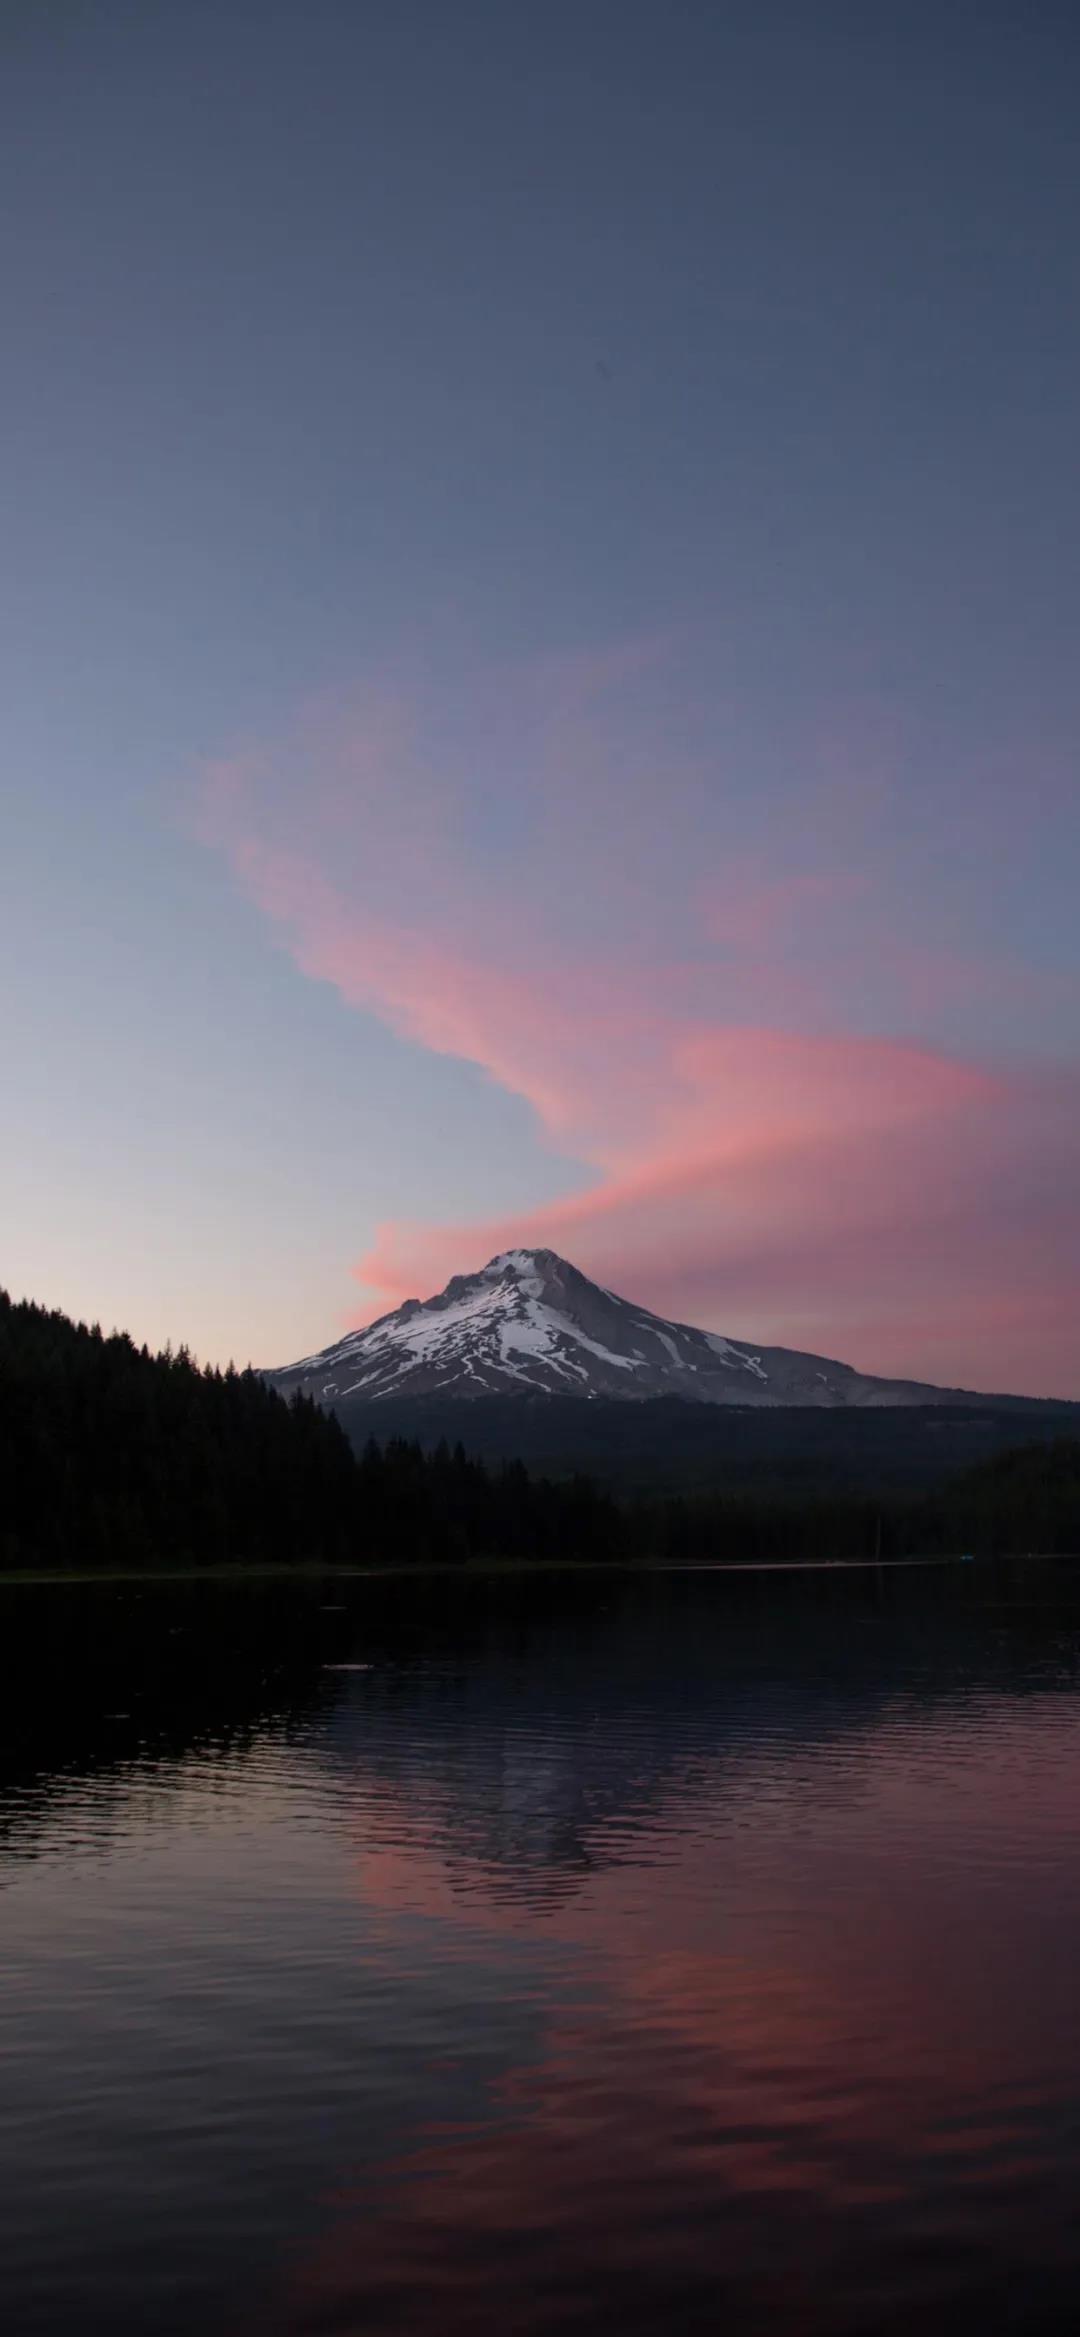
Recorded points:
(545,1954)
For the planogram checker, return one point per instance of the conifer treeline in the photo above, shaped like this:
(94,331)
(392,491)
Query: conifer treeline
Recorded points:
(113,1457)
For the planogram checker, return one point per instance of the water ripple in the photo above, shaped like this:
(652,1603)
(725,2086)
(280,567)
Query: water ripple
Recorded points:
(522,1958)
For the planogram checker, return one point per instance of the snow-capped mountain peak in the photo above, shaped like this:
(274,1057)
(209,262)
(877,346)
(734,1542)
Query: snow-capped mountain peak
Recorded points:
(528,1323)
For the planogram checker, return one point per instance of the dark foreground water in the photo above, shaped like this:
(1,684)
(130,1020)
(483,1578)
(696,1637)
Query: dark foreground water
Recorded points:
(557,1954)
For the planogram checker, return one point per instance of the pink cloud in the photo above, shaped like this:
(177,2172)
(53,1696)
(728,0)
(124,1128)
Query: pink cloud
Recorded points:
(936,1241)
(755,910)
(782,1177)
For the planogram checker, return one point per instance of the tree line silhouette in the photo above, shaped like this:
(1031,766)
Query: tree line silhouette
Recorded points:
(113,1457)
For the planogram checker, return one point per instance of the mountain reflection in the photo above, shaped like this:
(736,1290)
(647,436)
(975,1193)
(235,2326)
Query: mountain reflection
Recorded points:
(801,2078)
(544,1955)
(488,1743)
(514,1774)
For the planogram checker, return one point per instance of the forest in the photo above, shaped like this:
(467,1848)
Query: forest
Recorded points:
(115,1458)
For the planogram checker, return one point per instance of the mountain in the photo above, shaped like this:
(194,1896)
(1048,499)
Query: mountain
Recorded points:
(529,1324)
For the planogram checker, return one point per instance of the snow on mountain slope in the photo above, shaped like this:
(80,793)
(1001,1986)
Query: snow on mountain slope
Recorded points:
(530,1324)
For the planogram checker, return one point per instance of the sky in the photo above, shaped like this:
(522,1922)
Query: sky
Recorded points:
(539,679)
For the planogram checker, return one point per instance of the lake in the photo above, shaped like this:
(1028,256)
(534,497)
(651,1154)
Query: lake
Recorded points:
(542,1953)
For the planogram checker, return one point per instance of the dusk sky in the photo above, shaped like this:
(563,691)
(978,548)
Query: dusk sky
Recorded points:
(540,665)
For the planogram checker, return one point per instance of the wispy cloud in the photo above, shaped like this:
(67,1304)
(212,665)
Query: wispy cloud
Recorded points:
(731,1033)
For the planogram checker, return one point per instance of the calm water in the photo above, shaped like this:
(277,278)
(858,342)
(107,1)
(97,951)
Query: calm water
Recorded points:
(554,1955)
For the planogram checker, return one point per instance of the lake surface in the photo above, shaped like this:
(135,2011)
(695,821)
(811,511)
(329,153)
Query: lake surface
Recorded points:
(545,1954)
